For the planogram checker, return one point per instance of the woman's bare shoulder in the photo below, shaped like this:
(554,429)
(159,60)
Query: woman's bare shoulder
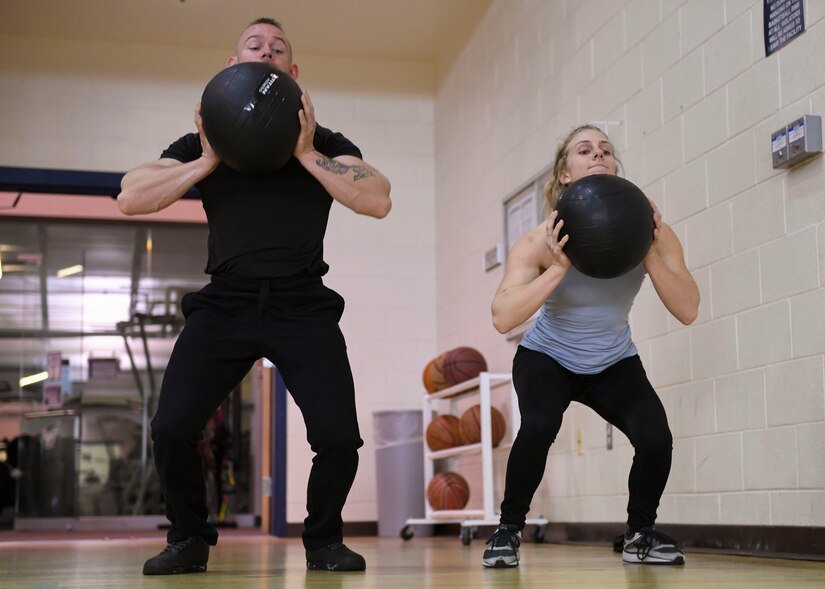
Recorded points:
(531,248)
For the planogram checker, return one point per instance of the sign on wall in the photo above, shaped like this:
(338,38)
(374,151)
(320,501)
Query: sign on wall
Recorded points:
(784,21)
(520,215)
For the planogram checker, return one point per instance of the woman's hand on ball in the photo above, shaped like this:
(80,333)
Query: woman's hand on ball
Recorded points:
(657,226)
(657,221)
(556,245)
(307,118)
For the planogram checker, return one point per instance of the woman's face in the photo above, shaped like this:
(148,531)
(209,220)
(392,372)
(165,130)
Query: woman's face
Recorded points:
(589,152)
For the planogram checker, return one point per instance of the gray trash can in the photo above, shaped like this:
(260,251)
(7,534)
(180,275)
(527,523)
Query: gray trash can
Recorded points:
(399,470)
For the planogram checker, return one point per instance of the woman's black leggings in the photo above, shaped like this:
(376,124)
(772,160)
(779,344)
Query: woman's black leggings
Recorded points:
(230,324)
(621,394)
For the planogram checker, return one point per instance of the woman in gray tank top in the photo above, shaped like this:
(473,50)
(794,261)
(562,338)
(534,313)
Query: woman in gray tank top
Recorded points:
(580,349)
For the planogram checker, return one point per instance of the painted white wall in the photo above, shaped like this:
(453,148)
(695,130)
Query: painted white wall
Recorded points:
(384,269)
(109,107)
(743,386)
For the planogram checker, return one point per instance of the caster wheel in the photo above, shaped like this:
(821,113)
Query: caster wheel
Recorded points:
(407,532)
(466,536)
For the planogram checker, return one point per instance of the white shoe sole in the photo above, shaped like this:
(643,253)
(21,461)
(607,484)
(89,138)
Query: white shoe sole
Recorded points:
(500,563)
(634,559)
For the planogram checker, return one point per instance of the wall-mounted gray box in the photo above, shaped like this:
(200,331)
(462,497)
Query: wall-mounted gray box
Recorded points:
(804,139)
(779,147)
(797,142)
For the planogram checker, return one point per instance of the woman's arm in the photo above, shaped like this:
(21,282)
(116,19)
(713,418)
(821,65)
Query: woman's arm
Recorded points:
(665,264)
(535,267)
(348,179)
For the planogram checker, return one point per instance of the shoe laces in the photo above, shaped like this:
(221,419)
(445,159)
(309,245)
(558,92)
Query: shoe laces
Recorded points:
(651,539)
(504,536)
(178,546)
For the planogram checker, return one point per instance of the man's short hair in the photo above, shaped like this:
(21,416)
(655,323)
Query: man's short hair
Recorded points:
(266,21)
(272,22)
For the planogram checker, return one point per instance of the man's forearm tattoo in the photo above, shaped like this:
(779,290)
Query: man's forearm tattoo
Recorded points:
(341,169)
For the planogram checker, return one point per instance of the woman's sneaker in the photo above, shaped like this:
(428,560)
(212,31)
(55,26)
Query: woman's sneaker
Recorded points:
(503,550)
(647,546)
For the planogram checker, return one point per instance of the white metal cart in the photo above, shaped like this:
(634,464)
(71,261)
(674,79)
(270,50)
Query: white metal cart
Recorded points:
(470,519)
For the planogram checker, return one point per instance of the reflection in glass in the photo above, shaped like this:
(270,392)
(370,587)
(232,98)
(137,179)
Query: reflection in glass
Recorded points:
(77,444)
(46,458)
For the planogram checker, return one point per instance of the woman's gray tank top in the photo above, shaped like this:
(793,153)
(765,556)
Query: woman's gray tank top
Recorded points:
(584,325)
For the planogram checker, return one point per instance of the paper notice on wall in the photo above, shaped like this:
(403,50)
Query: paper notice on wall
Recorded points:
(521,216)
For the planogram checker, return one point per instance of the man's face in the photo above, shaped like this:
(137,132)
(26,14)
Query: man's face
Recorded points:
(266,43)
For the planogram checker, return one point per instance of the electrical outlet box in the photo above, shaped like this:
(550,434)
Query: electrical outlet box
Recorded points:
(804,139)
(493,257)
(779,148)
(797,142)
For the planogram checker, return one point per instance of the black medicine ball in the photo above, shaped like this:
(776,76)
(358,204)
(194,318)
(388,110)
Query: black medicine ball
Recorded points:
(250,116)
(610,223)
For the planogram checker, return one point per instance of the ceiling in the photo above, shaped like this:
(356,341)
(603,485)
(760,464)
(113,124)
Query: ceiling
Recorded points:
(414,30)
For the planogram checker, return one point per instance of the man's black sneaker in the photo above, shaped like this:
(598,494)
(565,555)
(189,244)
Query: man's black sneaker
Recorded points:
(186,556)
(503,550)
(647,546)
(335,557)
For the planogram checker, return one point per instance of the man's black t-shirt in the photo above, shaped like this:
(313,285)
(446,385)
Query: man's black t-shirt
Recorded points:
(268,225)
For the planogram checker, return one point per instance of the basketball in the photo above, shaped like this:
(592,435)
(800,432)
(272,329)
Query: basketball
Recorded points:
(433,376)
(610,224)
(250,116)
(448,490)
(470,425)
(462,364)
(444,432)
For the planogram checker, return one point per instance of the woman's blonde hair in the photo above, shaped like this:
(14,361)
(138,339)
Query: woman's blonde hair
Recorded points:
(554,186)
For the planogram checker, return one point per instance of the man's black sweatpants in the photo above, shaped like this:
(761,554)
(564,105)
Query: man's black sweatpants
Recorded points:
(230,324)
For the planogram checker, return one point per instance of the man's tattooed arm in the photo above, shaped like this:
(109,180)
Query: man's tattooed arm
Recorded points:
(341,169)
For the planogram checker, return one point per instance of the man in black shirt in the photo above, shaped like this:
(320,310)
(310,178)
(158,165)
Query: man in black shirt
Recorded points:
(266,298)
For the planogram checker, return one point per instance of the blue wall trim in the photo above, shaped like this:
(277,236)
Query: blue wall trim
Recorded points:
(45,181)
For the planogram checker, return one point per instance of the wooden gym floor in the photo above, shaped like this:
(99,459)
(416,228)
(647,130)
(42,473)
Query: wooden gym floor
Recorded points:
(248,559)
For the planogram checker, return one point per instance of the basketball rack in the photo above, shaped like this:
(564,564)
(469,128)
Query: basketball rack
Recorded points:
(470,519)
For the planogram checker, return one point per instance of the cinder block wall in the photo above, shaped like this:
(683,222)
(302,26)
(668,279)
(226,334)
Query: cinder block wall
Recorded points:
(698,100)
